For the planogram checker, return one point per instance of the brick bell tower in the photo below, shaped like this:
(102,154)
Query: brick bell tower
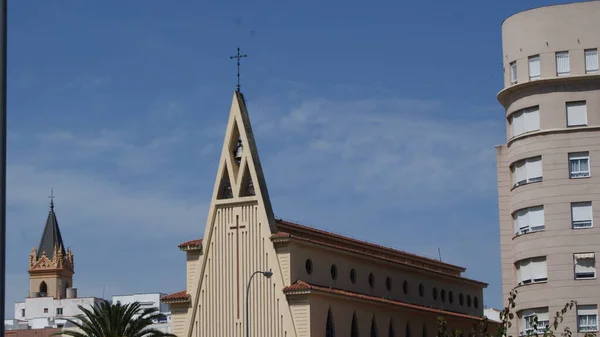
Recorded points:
(51,267)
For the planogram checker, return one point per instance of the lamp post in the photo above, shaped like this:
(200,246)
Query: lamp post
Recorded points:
(266,274)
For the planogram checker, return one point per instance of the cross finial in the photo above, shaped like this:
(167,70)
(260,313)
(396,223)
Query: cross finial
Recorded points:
(51,198)
(238,56)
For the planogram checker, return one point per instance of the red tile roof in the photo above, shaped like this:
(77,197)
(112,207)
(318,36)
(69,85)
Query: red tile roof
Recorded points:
(181,296)
(324,238)
(191,244)
(301,287)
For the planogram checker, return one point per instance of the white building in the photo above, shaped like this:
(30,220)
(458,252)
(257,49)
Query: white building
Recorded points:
(147,300)
(48,312)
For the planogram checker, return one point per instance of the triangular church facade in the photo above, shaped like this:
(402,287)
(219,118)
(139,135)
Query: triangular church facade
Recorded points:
(303,281)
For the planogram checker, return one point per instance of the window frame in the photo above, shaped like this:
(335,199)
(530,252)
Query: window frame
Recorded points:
(587,307)
(575,267)
(513,74)
(530,280)
(579,156)
(527,320)
(557,54)
(591,220)
(592,71)
(526,230)
(575,103)
(539,66)
(528,180)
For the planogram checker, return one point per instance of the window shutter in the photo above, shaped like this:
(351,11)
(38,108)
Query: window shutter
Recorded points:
(562,63)
(538,268)
(525,270)
(542,315)
(532,119)
(582,211)
(517,124)
(591,60)
(534,67)
(587,310)
(520,172)
(576,113)
(536,217)
(534,167)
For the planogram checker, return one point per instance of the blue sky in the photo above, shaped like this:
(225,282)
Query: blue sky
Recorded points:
(378,122)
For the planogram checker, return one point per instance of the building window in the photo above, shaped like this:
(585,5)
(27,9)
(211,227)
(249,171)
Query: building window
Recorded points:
(450,297)
(579,165)
(587,318)
(461,299)
(405,287)
(529,220)
(591,61)
(59,311)
(576,113)
(421,289)
(534,67)
(371,280)
(391,332)
(513,72)
(525,120)
(373,327)
(469,301)
(329,332)
(443,295)
(585,266)
(529,271)
(333,271)
(581,215)
(434,293)
(308,266)
(476,302)
(527,171)
(352,275)
(45,310)
(23,313)
(388,283)
(354,326)
(563,66)
(528,321)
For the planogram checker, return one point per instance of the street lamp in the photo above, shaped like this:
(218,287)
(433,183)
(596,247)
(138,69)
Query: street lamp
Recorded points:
(266,274)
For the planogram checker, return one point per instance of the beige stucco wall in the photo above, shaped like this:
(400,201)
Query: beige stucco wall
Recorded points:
(192,265)
(323,258)
(179,318)
(544,31)
(56,284)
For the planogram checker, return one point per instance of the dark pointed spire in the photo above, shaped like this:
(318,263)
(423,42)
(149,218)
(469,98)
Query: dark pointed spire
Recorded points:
(51,237)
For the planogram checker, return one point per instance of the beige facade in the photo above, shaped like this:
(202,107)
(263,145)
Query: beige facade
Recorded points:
(323,284)
(548,187)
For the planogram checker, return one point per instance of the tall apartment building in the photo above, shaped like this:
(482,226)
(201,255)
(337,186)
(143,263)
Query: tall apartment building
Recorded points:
(549,169)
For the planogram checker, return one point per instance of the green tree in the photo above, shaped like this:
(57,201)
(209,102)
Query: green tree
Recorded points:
(115,320)
(481,329)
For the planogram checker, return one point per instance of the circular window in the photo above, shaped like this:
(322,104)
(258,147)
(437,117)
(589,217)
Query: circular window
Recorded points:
(450,297)
(352,275)
(434,293)
(308,266)
(388,283)
(443,295)
(461,299)
(469,301)
(405,287)
(333,271)
(476,302)
(421,289)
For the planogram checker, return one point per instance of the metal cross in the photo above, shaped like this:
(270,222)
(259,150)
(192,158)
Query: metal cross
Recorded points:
(238,57)
(51,197)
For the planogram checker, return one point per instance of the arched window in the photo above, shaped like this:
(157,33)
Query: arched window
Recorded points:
(424,331)
(373,327)
(43,289)
(407,329)
(391,329)
(329,332)
(354,329)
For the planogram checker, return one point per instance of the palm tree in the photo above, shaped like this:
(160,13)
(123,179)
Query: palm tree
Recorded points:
(115,320)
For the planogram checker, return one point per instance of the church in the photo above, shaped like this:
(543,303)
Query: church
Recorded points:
(256,275)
